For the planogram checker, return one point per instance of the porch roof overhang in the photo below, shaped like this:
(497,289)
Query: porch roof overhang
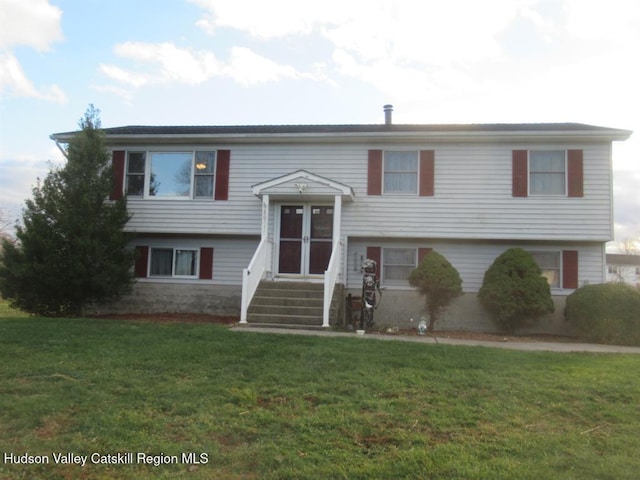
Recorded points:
(303,185)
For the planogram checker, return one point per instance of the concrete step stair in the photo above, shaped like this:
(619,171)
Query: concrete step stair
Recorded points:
(288,305)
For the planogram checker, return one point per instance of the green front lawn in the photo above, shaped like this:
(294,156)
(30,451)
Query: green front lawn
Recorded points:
(262,406)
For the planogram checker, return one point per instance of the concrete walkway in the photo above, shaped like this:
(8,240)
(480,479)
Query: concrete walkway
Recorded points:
(524,346)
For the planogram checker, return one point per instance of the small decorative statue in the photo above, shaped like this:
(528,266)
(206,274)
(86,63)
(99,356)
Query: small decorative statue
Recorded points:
(370,285)
(422,326)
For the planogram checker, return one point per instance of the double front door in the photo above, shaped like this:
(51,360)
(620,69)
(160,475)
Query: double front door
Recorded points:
(306,234)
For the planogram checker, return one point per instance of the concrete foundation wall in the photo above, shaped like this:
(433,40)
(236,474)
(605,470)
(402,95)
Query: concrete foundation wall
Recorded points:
(397,308)
(193,298)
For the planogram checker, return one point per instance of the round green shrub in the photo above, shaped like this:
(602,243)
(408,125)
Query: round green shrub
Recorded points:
(438,281)
(514,290)
(607,313)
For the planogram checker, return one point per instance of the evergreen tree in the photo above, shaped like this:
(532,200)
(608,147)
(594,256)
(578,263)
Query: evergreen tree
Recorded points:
(514,290)
(71,249)
(438,281)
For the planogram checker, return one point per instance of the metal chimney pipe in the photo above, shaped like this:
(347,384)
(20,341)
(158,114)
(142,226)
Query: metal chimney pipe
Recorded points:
(388,110)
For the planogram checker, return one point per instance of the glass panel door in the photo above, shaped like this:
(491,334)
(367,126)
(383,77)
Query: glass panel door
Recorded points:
(320,238)
(306,236)
(291,238)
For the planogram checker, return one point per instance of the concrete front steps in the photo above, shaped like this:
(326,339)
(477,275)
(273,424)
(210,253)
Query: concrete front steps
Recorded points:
(289,305)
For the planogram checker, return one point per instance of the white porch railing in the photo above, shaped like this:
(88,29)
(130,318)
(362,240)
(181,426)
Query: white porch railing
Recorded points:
(252,275)
(333,269)
(330,279)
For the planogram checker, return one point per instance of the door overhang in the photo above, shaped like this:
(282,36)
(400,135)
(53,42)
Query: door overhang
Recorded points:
(303,185)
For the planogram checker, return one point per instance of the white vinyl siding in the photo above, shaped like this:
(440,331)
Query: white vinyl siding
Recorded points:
(230,256)
(472,259)
(474,201)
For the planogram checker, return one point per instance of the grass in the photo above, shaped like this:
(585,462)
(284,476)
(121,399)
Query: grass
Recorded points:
(264,406)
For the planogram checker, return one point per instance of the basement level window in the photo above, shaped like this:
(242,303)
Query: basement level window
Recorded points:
(549,263)
(173,262)
(397,265)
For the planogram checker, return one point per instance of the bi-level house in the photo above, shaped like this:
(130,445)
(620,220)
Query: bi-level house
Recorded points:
(226,217)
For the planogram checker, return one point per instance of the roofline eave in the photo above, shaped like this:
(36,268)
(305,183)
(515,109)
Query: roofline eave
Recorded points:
(350,137)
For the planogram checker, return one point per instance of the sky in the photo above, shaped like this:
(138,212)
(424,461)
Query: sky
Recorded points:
(252,62)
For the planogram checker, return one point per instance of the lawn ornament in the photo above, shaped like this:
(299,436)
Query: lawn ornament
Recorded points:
(370,301)
(422,326)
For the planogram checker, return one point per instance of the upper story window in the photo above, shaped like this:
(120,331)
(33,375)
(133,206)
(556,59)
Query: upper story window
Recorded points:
(136,166)
(401,172)
(394,172)
(547,172)
(204,174)
(170,175)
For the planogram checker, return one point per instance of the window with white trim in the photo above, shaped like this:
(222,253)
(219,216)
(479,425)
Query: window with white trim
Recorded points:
(397,264)
(549,263)
(547,172)
(136,167)
(204,168)
(173,262)
(171,175)
(400,172)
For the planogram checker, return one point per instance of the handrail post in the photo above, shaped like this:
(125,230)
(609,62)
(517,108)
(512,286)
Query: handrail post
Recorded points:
(331,274)
(244,302)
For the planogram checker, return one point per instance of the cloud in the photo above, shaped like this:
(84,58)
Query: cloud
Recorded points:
(410,30)
(34,24)
(14,81)
(249,68)
(169,64)
(404,49)
(272,19)
(626,195)
(163,63)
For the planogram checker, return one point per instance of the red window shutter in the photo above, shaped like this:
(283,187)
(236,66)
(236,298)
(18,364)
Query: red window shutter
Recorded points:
(374,174)
(206,263)
(427,168)
(570,269)
(575,173)
(142,262)
(223,159)
(117,164)
(520,180)
(422,252)
(375,254)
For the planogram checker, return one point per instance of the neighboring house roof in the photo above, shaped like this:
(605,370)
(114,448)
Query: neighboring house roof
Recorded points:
(621,259)
(132,132)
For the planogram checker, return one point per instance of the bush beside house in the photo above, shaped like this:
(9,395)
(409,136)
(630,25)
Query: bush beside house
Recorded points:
(514,290)
(607,313)
(438,281)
